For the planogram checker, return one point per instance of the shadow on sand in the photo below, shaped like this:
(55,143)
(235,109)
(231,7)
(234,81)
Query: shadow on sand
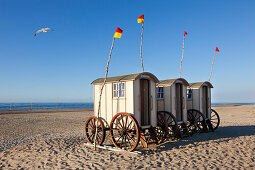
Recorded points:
(224,133)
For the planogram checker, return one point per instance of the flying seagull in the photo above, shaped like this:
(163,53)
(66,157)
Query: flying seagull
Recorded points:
(43,30)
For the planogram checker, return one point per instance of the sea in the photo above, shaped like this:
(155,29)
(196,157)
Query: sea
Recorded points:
(69,105)
(44,106)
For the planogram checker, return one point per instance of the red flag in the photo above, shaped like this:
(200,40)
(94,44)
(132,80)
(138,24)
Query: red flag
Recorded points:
(217,49)
(185,33)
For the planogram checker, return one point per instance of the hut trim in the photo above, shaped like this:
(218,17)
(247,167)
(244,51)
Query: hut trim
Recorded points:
(197,85)
(170,82)
(126,78)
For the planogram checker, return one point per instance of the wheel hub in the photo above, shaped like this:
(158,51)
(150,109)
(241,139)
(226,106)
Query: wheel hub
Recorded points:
(123,131)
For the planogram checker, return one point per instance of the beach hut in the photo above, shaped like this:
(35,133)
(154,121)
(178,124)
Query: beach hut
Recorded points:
(199,97)
(171,99)
(128,107)
(134,93)
(199,102)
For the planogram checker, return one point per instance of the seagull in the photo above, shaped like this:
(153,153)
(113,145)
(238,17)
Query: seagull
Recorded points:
(43,30)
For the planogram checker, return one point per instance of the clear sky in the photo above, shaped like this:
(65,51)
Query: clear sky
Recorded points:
(59,66)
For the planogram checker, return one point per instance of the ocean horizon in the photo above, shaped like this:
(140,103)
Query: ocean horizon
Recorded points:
(45,105)
(68,105)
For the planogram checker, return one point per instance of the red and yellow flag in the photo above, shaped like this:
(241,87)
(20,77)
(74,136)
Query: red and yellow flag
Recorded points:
(217,49)
(140,19)
(118,33)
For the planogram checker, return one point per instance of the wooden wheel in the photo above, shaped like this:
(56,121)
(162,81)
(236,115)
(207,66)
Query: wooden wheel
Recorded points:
(161,129)
(173,129)
(191,123)
(215,119)
(124,131)
(199,119)
(90,130)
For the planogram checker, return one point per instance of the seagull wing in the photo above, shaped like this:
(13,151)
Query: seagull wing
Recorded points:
(48,29)
(38,32)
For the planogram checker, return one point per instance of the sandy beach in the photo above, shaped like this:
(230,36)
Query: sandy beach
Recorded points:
(55,140)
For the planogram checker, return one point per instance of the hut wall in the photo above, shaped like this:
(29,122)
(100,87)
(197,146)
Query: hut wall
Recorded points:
(201,100)
(111,105)
(137,101)
(172,100)
(209,102)
(195,99)
(161,104)
(165,103)
(129,97)
(153,104)
(168,98)
(184,101)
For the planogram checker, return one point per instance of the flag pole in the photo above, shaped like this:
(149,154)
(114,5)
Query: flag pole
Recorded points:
(99,103)
(212,66)
(182,56)
(141,47)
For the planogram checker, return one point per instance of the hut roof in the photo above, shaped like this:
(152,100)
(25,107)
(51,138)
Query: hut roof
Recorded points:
(197,85)
(170,82)
(125,78)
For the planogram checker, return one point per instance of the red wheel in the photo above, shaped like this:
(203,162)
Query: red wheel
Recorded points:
(124,131)
(90,130)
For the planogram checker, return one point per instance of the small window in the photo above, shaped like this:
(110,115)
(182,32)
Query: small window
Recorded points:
(189,94)
(122,90)
(119,90)
(160,92)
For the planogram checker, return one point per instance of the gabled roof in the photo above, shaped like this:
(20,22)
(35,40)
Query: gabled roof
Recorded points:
(197,85)
(125,78)
(170,82)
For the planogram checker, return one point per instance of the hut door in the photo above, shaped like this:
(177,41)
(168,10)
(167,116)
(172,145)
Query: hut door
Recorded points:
(205,101)
(145,101)
(179,95)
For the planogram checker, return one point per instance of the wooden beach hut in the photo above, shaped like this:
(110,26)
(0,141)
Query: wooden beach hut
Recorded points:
(171,99)
(199,97)
(199,104)
(134,93)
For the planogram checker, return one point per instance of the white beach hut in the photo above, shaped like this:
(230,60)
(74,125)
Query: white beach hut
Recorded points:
(199,104)
(199,97)
(134,94)
(171,97)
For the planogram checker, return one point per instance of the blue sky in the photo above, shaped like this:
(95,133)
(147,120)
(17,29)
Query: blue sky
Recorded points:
(59,66)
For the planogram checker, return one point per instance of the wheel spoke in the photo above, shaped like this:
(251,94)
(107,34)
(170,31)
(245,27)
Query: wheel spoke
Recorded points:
(117,125)
(129,124)
(119,138)
(129,141)
(126,121)
(90,135)
(119,122)
(122,120)
(130,137)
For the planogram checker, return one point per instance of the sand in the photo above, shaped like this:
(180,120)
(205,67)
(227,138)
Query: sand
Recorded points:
(55,140)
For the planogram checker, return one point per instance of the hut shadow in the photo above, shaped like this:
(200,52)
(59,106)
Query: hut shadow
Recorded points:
(224,133)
